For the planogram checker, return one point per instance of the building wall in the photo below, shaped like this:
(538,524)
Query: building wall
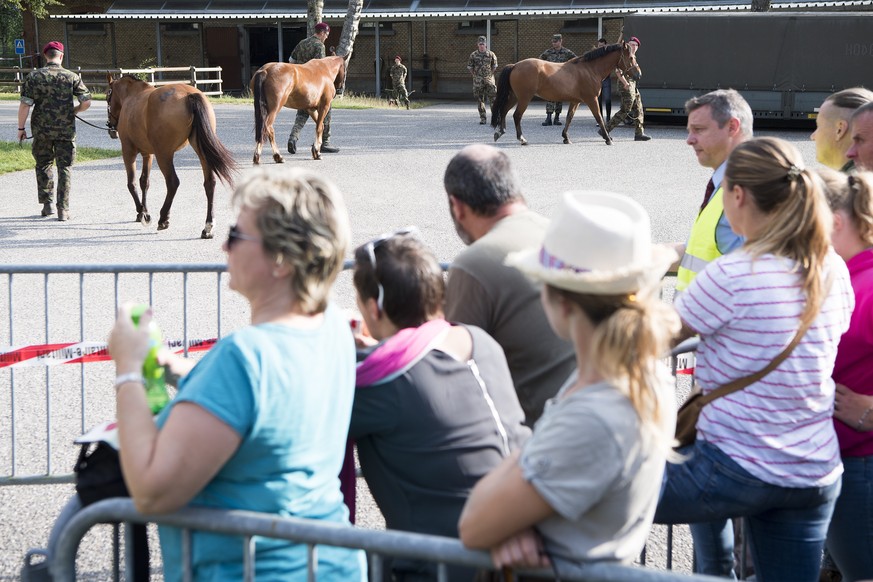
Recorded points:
(434,51)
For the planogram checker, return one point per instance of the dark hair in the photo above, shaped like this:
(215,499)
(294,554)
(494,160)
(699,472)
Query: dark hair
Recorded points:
(481,177)
(603,40)
(411,277)
(851,98)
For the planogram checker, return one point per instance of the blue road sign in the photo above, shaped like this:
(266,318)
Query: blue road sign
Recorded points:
(19,46)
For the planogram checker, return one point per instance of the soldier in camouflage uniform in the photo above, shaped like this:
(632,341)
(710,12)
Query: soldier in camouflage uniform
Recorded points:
(631,102)
(556,54)
(50,91)
(398,81)
(307,49)
(482,65)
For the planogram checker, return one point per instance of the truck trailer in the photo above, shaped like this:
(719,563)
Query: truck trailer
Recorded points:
(784,64)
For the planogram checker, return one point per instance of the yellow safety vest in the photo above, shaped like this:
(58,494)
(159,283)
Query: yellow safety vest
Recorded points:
(702,247)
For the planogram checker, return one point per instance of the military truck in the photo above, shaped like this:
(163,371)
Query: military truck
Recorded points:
(784,64)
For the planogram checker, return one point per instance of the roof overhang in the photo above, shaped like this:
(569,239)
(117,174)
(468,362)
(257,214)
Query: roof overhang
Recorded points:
(465,14)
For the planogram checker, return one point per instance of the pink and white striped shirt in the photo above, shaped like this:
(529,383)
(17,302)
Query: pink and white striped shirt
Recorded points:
(747,311)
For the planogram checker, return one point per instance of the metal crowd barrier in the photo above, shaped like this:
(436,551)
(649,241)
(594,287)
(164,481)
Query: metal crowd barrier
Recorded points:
(312,533)
(191,309)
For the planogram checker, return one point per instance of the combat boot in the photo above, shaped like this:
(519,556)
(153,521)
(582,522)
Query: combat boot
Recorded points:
(548,120)
(63,215)
(292,145)
(642,137)
(47,209)
(557,118)
(326,148)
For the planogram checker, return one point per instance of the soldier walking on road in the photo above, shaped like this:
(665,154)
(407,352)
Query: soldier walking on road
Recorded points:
(50,91)
(631,102)
(482,64)
(307,49)
(556,54)
(398,80)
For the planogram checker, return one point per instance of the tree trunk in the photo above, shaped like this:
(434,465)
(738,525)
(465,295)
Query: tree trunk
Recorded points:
(350,28)
(760,5)
(350,32)
(314,10)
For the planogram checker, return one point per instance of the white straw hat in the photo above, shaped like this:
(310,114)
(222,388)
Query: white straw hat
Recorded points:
(598,243)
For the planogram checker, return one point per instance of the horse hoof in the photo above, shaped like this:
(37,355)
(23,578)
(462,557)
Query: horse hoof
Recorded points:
(206,233)
(139,217)
(315,154)
(566,140)
(497,135)
(523,141)
(163,225)
(608,142)
(146,219)
(256,160)
(278,159)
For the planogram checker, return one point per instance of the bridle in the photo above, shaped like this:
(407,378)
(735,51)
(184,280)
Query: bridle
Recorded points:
(627,61)
(112,125)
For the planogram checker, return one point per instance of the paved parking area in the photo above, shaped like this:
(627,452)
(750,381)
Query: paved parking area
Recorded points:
(390,170)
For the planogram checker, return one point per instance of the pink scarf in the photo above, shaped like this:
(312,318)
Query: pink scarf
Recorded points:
(398,353)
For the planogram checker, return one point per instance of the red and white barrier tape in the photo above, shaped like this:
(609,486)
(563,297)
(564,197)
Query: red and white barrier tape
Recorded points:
(78,353)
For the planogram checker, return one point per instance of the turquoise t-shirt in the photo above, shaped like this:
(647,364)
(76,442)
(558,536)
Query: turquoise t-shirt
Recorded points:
(288,393)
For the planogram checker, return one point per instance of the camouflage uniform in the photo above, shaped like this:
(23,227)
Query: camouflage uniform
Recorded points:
(482,65)
(398,80)
(307,49)
(631,106)
(553,55)
(50,91)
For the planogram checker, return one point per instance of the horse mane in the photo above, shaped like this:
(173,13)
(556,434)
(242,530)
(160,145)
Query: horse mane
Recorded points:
(598,52)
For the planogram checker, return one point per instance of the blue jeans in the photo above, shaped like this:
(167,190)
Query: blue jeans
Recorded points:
(850,536)
(787,526)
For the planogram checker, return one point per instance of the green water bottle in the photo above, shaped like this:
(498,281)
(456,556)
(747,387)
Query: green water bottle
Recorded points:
(153,372)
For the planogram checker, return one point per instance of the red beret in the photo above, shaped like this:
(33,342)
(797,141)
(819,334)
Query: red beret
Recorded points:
(53,45)
(397,57)
(636,40)
(322,26)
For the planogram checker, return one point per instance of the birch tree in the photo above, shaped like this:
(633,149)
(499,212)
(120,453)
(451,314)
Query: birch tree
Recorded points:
(314,10)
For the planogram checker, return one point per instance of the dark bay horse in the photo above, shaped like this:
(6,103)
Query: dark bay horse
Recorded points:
(310,86)
(575,81)
(159,121)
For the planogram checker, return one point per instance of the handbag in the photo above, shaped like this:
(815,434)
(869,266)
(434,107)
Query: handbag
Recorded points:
(689,412)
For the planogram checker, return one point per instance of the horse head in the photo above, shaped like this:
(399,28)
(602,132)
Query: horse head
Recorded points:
(627,63)
(113,107)
(339,81)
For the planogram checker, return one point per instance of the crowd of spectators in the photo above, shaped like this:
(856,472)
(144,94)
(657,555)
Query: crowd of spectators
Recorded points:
(521,402)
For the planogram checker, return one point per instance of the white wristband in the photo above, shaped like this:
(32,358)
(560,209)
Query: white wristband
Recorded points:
(129,377)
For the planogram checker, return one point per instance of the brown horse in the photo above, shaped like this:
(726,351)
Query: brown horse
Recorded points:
(577,80)
(159,121)
(310,86)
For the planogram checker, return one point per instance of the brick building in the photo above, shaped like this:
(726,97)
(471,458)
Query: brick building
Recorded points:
(434,37)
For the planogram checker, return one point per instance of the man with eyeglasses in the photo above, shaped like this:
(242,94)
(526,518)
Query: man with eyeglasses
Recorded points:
(556,54)
(491,216)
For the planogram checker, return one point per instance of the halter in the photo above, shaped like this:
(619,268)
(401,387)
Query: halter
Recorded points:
(624,65)
(113,126)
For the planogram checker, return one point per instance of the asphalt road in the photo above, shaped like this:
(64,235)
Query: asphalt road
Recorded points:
(390,169)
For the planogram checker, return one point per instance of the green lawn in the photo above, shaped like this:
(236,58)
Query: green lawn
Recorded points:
(14,158)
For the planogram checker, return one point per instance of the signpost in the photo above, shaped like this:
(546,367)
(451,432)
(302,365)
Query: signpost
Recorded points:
(19,50)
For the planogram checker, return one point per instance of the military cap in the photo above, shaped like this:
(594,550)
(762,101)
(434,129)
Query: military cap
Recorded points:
(53,45)
(556,37)
(482,40)
(322,26)
(636,40)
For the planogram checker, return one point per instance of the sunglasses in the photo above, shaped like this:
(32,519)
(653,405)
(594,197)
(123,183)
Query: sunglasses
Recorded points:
(234,235)
(371,247)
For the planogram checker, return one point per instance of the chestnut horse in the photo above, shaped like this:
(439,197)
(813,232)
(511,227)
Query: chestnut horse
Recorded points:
(576,80)
(159,121)
(310,86)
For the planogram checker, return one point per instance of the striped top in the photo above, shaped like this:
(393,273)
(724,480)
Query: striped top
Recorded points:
(747,311)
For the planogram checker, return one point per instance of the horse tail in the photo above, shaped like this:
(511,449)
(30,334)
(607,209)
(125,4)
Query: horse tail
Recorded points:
(504,89)
(213,151)
(260,106)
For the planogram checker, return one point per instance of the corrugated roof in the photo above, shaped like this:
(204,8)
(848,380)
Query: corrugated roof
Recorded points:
(144,13)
